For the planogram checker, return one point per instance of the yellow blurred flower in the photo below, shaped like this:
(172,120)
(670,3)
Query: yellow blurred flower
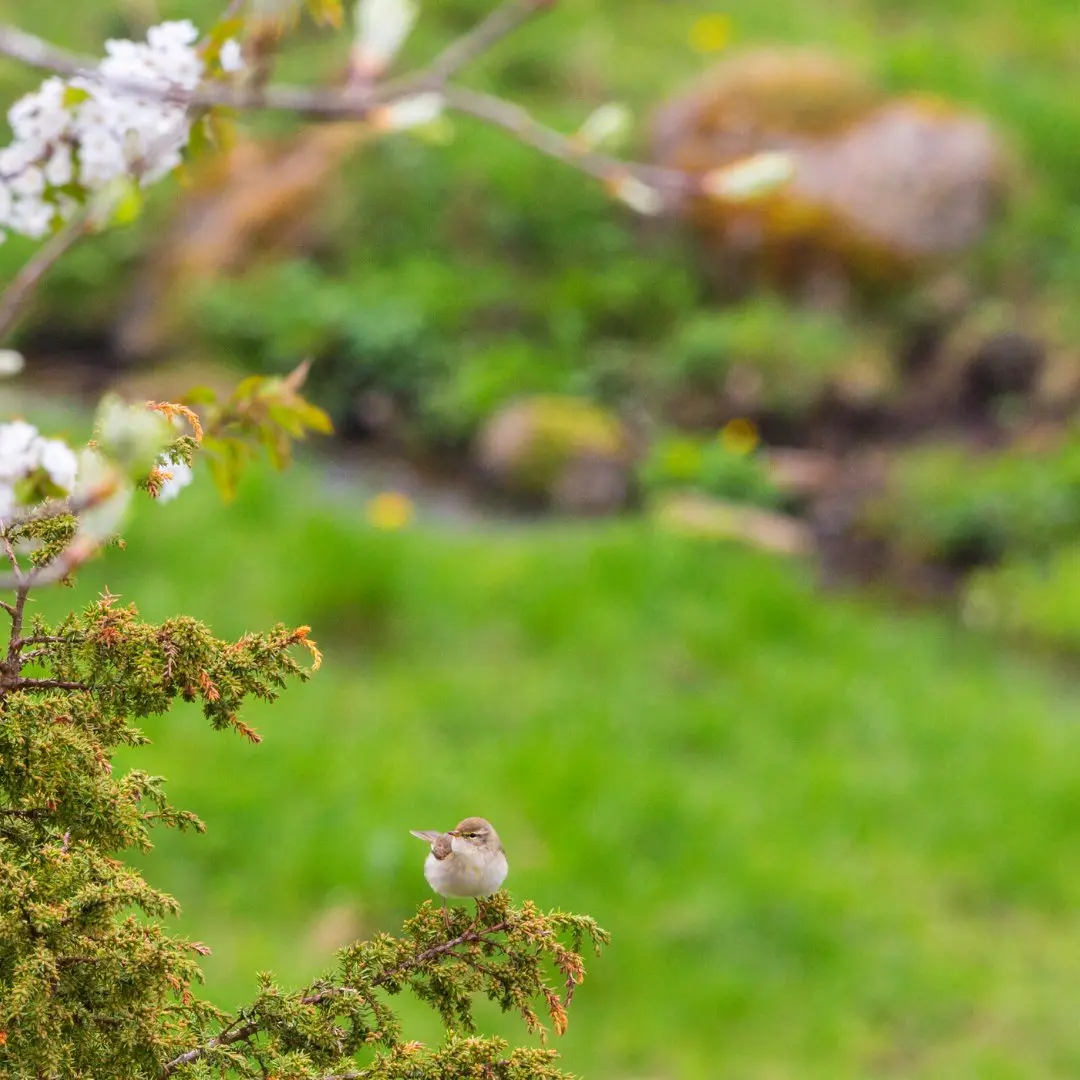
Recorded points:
(711,33)
(390,510)
(739,436)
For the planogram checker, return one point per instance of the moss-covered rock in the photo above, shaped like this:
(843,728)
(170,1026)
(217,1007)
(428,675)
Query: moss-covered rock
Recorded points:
(882,187)
(557,451)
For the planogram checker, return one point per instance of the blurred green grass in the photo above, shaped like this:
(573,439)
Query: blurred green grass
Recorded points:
(830,841)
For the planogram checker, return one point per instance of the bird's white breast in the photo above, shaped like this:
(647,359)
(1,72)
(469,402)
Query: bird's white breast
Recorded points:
(466,871)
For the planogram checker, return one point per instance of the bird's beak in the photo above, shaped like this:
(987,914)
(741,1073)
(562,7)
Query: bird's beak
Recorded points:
(453,832)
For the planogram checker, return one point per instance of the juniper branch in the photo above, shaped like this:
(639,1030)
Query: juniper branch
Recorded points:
(50,684)
(253,1027)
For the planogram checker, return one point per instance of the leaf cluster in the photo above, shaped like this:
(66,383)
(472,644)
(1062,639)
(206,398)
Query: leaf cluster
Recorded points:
(262,411)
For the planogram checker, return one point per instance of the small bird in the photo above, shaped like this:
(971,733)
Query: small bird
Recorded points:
(466,861)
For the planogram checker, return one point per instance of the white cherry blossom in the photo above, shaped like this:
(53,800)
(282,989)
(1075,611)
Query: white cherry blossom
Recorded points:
(177,477)
(100,121)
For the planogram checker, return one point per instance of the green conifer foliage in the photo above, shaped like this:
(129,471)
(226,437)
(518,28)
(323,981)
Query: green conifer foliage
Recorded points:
(92,985)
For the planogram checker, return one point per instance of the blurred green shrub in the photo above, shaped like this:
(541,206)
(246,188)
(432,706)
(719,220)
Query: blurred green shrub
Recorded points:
(947,504)
(452,355)
(527,280)
(384,341)
(787,357)
(1036,599)
(487,377)
(725,467)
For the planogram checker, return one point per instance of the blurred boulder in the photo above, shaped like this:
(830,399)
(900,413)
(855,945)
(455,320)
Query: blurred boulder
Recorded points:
(693,514)
(561,452)
(802,474)
(883,188)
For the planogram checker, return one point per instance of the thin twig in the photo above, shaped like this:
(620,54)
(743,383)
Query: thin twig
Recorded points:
(46,639)
(15,296)
(73,555)
(438,950)
(501,22)
(34,52)
(523,126)
(12,664)
(50,684)
(70,559)
(360,102)
(490,970)
(34,654)
(56,508)
(11,556)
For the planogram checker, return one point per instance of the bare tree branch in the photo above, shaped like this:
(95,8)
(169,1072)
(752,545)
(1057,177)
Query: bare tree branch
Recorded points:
(11,557)
(75,554)
(34,52)
(54,508)
(15,296)
(523,126)
(501,22)
(359,102)
(49,684)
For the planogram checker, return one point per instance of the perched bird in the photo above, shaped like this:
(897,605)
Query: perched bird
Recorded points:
(466,861)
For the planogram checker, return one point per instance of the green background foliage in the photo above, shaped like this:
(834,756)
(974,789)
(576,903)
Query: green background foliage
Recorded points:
(827,841)
(567,292)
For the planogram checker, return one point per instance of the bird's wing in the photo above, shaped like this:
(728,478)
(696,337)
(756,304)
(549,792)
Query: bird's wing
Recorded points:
(441,843)
(429,836)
